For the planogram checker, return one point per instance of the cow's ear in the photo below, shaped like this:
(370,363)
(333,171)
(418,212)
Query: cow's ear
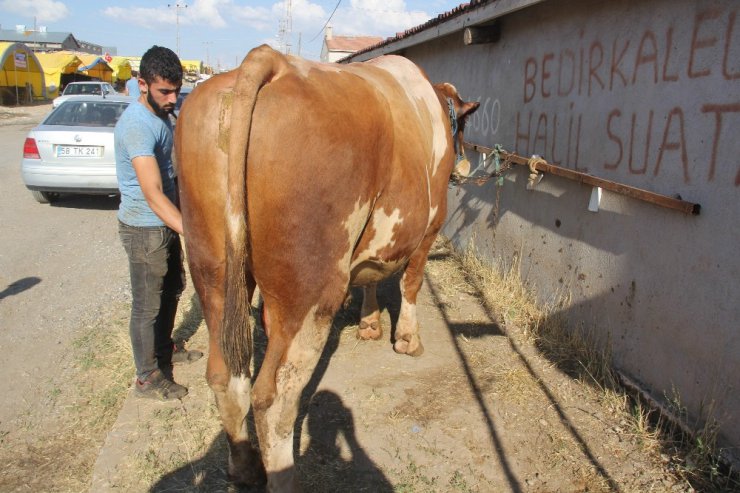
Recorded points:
(467,109)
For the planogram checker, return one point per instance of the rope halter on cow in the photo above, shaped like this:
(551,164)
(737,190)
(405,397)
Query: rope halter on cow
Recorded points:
(462,165)
(453,119)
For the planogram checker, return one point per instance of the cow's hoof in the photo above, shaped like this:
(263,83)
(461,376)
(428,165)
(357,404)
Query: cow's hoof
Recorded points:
(371,330)
(245,467)
(413,348)
(248,478)
(283,481)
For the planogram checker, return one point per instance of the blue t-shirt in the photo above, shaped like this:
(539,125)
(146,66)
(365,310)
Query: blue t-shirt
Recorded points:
(133,87)
(139,132)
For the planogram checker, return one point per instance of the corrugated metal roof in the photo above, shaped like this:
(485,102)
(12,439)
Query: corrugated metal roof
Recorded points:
(34,36)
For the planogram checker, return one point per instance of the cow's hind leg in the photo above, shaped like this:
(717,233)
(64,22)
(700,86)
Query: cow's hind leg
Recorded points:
(232,393)
(370,327)
(288,365)
(407,340)
(232,399)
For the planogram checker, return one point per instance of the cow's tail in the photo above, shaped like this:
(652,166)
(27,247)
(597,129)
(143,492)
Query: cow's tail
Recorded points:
(260,66)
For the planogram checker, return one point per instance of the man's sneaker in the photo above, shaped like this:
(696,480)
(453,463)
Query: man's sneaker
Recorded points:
(157,386)
(182,355)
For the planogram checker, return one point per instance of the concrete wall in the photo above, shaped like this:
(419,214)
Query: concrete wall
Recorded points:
(642,93)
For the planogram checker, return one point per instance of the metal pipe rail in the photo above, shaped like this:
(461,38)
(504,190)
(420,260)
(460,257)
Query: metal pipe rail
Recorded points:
(633,192)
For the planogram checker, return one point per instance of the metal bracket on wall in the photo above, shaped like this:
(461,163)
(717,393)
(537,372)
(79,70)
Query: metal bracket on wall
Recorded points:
(612,186)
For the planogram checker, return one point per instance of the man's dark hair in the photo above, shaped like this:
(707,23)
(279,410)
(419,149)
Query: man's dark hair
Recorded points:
(159,61)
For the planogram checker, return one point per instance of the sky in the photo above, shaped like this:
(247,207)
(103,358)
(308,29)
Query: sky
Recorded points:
(218,32)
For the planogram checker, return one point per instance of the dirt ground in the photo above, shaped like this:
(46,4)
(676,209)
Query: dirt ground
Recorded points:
(62,280)
(482,410)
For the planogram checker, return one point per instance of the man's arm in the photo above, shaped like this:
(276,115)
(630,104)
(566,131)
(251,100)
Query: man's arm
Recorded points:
(147,172)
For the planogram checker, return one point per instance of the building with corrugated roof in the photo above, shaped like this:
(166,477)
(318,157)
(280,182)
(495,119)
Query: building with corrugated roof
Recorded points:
(42,40)
(337,47)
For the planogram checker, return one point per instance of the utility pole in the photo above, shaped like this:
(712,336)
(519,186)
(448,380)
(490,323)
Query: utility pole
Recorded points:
(285,28)
(208,58)
(178,6)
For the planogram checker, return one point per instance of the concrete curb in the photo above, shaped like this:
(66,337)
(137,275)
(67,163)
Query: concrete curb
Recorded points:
(130,437)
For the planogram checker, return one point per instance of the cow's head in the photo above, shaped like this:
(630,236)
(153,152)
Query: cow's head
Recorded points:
(458,111)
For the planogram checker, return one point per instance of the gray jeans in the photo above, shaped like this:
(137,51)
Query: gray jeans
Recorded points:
(157,280)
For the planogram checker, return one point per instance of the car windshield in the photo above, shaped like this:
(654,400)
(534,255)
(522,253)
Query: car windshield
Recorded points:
(87,114)
(74,89)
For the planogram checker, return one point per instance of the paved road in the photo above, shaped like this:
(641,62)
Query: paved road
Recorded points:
(60,266)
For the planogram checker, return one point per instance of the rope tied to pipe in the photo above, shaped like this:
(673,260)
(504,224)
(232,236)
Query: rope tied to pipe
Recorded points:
(500,166)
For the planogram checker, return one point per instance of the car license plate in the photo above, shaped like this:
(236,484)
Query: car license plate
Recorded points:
(79,151)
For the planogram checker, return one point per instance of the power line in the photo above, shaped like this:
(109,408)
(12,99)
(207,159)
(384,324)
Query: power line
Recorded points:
(327,22)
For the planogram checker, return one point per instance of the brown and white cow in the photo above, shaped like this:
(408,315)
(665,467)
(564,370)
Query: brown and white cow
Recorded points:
(305,179)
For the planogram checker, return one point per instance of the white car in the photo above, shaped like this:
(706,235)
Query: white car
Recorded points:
(184,91)
(72,149)
(87,88)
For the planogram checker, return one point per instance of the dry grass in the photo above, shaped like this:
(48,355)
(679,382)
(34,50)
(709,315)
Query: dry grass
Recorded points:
(201,450)
(60,447)
(693,457)
(57,449)
(186,450)
(105,369)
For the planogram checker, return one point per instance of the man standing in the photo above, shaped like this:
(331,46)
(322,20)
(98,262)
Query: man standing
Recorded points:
(132,85)
(150,222)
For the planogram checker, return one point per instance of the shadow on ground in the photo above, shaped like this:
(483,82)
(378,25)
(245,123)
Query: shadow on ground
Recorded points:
(322,467)
(190,323)
(19,286)
(89,202)
(495,435)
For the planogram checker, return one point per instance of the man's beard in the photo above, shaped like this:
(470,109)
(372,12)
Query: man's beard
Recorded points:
(161,112)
